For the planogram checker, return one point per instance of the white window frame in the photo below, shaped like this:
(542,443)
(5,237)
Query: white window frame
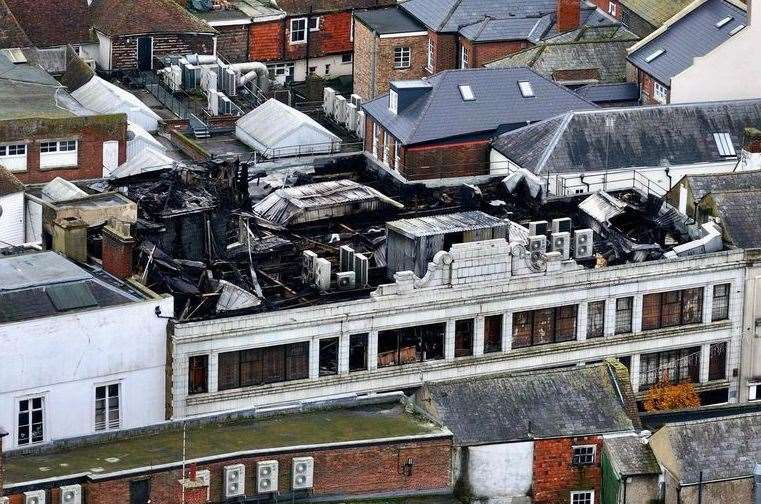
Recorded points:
(466,92)
(590,493)
(464,57)
(393,101)
(31,398)
(612,8)
(385,148)
(317,20)
(431,51)
(402,51)
(375,140)
(724,145)
(580,447)
(107,425)
(397,155)
(660,92)
(302,30)
(58,154)
(14,162)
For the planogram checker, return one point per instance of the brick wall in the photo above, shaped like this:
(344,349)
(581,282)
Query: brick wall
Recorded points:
(90,133)
(605,5)
(647,86)
(124,49)
(483,53)
(232,43)
(265,41)
(364,44)
(333,37)
(554,477)
(445,51)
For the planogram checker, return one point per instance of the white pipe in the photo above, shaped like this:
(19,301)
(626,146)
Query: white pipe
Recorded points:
(250,70)
(201,59)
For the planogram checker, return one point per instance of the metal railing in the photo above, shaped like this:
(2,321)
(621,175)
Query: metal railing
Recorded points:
(314,149)
(614,180)
(179,102)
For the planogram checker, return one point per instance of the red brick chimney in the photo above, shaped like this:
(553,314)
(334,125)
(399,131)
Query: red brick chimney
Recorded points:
(568,15)
(117,249)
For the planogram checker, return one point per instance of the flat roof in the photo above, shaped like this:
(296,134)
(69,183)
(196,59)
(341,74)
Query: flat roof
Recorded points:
(34,270)
(446,223)
(213,440)
(389,20)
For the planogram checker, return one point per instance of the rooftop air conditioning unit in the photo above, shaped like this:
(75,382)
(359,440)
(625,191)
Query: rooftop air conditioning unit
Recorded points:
(339,112)
(225,105)
(230,79)
(356,100)
(235,481)
(213,101)
(308,258)
(346,258)
(583,243)
(361,270)
(360,131)
(345,280)
(71,494)
(34,497)
(561,225)
(174,77)
(537,244)
(537,228)
(328,101)
(266,476)
(561,242)
(208,79)
(351,117)
(191,76)
(303,473)
(322,274)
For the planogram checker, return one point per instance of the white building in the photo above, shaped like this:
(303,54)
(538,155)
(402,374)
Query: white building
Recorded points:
(84,353)
(12,229)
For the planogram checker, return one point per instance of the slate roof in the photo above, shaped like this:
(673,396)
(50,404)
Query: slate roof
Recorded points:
(630,456)
(388,20)
(442,113)
(738,211)
(637,137)
(296,7)
(9,184)
(722,448)
(64,21)
(692,36)
(655,12)
(11,34)
(610,92)
(450,15)
(702,185)
(539,404)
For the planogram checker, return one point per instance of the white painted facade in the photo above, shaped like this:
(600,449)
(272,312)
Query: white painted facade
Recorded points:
(750,375)
(12,230)
(327,67)
(63,358)
(500,471)
(474,280)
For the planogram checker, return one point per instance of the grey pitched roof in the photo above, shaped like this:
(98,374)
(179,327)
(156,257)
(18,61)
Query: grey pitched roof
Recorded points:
(738,211)
(610,92)
(703,185)
(722,448)
(636,137)
(692,36)
(539,404)
(450,15)
(492,30)
(655,12)
(389,20)
(442,113)
(630,456)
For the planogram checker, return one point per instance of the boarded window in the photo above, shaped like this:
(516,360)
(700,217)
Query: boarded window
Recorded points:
(595,319)
(624,315)
(328,356)
(198,374)
(493,333)
(548,325)
(673,308)
(720,307)
(246,368)
(674,366)
(358,352)
(411,344)
(463,338)
(717,363)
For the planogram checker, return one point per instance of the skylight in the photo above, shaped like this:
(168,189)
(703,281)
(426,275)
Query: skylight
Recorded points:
(467,93)
(724,144)
(654,55)
(724,21)
(526,89)
(736,29)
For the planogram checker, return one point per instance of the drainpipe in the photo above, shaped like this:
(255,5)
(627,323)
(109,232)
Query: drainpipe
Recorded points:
(700,488)
(626,480)
(308,36)
(757,484)
(581,179)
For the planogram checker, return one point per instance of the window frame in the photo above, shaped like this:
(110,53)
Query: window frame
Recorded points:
(619,327)
(107,424)
(581,458)
(601,331)
(431,48)
(718,371)
(464,57)
(675,361)
(587,495)
(317,23)
(6,147)
(364,344)
(612,8)
(323,343)
(724,306)
(660,93)
(303,30)
(537,321)
(671,309)
(399,59)
(278,364)
(205,388)
(30,423)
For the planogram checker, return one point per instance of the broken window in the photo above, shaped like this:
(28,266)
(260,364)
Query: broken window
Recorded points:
(595,319)
(548,325)
(720,307)
(256,366)
(673,308)
(624,315)
(328,356)
(411,344)
(673,366)
(493,333)
(717,362)
(198,374)
(463,337)
(358,352)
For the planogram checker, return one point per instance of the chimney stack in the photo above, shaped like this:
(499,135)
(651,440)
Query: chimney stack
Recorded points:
(117,249)
(751,152)
(568,15)
(70,238)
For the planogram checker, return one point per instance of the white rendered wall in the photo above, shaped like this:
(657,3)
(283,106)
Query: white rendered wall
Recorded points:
(337,67)
(64,358)
(500,470)
(12,219)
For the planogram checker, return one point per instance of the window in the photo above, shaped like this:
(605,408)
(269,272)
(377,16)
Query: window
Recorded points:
(493,333)
(527,91)
(717,361)
(583,455)
(246,368)
(375,140)
(624,315)
(347,58)
(724,21)
(48,146)
(397,156)
(401,57)
(431,52)
(107,407)
(314,24)
(655,54)
(463,337)
(328,356)
(393,101)
(673,308)
(612,8)
(720,306)
(58,153)
(467,93)
(67,145)
(411,344)
(31,419)
(672,365)
(596,319)
(312,70)
(298,30)
(660,92)
(13,157)
(583,497)
(327,69)
(464,57)
(385,148)
(548,325)
(198,374)
(13,150)
(358,352)
(724,144)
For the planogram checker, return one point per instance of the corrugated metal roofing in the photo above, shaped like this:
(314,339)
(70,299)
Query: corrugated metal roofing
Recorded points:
(103,97)
(446,223)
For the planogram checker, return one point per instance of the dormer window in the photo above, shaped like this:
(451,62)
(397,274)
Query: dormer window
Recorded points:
(393,101)
(654,55)
(526,89)
(724,21)
(467,93)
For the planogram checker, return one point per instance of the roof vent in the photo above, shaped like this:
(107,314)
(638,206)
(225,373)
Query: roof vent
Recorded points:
(526,89)
(654,55)
(736,29)
(467,93)
(723,22)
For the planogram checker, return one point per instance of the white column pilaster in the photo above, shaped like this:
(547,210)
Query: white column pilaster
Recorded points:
(705,358)
(634,372)
(213,372)
(581,321)
(372,350)
(507,332)
(343,353)
(314,359)
(478,335)
(610,317)
(707,303)
(637,314)
(449,340)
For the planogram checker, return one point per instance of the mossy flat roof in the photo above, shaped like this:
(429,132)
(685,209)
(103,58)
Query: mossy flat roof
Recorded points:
(216,439)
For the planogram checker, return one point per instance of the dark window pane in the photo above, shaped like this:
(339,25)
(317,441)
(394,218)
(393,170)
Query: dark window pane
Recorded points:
(198,369)
(410,344)
(328,356)
(493,333)
(692,310)
(113,390)
(100,392)
(624,309)
(671,309)
(358,352)
(651,311)
(273,364)
(595,319)
(565,325)
(720,307)
(544,326)
(229,370)
(297,361)
(24,405)
(522,327)
(463,338)
(717,364)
